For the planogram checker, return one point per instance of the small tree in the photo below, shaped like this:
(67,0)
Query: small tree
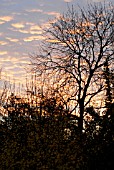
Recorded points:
(107,76)
(75,50)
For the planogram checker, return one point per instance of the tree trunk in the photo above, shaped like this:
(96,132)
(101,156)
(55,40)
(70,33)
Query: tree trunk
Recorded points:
(81,111)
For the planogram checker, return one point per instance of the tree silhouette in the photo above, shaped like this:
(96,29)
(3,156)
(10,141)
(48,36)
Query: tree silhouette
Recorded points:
(108,85)
(43,138)
(76,48)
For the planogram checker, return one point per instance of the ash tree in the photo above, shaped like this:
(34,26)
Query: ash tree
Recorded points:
(76,47)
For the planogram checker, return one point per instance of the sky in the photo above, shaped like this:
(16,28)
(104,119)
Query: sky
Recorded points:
(21,33)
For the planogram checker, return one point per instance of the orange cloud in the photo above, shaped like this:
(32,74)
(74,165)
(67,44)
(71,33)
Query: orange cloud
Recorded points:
(18,25)
(41,11)
(30,23)
(46,25)
(3,52)
(9,58)
(6,18)
(12,39)
(23,31)
(34,10)
(35,32)
(56,14)
(3,43)
(35,29)
(32,38)
(53,41)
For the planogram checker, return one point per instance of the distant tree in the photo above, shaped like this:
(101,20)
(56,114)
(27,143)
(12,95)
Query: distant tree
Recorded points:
(107,77)
(76,48)
(43,138)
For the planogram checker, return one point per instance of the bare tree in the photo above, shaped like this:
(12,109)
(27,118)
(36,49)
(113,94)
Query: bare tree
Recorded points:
(75,50)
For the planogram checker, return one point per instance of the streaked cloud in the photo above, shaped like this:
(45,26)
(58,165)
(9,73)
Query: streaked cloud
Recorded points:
(20,31)
(23,31)
(53,13)
(32,38)
(35,32)
(9,59)
(35,29)
(46,25)
(3,52)
(12,39)
(18,25)
(34,10)
(30,23)
(28,28)
(6,18)
(16,13)
(3,42)
(56,14)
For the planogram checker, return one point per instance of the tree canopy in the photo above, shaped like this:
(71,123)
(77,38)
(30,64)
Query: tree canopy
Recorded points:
(75,50)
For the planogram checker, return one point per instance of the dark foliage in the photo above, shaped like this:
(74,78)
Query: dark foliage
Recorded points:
(53,141)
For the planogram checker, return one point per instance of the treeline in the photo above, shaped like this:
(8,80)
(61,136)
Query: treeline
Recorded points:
(48,137)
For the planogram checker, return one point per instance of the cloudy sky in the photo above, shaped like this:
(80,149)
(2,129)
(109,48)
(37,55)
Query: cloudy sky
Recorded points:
(20,31)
